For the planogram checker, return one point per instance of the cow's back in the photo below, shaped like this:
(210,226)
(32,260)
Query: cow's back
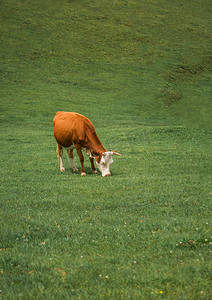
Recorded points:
(70,127)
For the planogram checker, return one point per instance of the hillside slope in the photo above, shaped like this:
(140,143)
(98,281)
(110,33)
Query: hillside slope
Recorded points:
(153,58)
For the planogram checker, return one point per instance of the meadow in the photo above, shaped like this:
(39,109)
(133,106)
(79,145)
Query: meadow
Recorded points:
(141,72)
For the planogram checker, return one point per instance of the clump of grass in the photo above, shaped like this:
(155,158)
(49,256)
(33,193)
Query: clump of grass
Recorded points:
(178,78)
(183,73)
(171,95)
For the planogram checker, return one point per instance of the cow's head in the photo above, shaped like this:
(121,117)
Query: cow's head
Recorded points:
(104,161)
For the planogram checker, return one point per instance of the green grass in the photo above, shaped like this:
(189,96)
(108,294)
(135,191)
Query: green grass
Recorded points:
(140,70)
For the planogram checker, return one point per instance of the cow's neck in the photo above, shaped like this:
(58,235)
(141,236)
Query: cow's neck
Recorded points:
(94,144)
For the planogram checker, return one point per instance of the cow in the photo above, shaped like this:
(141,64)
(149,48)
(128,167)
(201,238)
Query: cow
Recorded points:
(74,131)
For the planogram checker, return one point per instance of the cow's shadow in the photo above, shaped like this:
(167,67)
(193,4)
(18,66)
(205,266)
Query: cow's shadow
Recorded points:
(69,172)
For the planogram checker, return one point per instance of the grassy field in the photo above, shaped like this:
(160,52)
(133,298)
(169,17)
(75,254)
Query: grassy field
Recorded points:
(141,71)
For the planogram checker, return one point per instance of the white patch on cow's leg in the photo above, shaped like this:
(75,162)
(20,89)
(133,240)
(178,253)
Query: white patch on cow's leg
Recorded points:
(60,160)
(70,154)
(74,167)
(62,169)
(83,174)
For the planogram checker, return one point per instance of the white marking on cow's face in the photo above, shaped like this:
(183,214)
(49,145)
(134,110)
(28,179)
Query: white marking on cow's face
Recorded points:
(105,162)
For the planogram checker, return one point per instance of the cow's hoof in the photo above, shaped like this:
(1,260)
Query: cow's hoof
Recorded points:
(62,169)
(76,170)
(83,174)
(94,171)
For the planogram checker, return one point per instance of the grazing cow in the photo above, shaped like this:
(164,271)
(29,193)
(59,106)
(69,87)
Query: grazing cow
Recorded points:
(72,130)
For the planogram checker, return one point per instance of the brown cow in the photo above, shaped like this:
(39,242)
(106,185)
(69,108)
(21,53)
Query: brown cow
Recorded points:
(72,130)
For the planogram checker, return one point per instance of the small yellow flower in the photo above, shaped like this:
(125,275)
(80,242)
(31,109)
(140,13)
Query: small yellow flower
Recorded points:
(161,292)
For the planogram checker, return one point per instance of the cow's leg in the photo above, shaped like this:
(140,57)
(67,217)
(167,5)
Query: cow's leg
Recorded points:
(92,166)
(81,158)
(60,160)
(70,154)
